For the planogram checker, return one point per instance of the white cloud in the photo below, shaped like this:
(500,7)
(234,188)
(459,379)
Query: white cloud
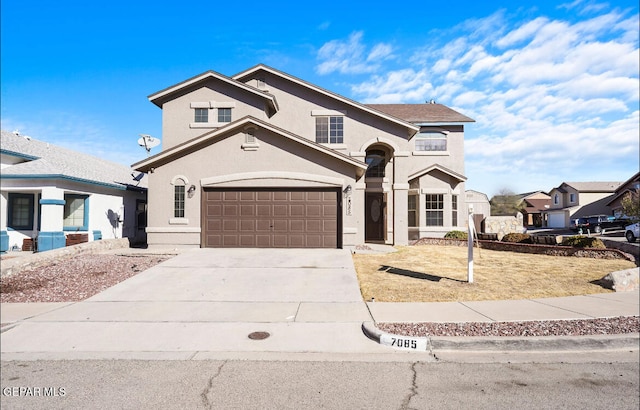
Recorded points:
(350,57)
(553,100)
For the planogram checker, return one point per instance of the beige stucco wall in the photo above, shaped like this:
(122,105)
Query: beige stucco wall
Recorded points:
(178,123)
(277,162)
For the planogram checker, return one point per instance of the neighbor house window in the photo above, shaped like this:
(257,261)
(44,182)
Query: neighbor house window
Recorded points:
(178,199)
(329,130)
(76,212)
(454,210)
(202,115)
(376,163)
(556,199)
(431,141)
(435,209)
(224,114)
(20,211)
(572,198)
(412,216)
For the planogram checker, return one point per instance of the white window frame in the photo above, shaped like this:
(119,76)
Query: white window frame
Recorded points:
(335,116)
(431,136)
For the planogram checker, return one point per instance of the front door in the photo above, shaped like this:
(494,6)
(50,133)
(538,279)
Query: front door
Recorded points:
(374,216)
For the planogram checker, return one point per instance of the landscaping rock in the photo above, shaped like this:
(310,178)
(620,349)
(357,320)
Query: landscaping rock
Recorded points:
(623,280)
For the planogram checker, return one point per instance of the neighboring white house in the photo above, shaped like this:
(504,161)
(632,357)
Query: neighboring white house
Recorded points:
(49,192)
(573,200)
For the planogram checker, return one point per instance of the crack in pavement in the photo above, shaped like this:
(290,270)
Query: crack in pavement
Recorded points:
(414,389)
(205,393)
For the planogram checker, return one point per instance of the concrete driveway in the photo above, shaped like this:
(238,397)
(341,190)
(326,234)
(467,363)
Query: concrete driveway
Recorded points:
(245,275)
(204,304)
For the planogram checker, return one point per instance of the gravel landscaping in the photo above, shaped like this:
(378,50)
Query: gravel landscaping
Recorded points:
(582,327)
(73,279)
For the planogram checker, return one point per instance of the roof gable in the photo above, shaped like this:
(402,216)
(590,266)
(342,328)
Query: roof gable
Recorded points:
(412,129)
(440,168)
(194,144)
(594,186)
(162,96)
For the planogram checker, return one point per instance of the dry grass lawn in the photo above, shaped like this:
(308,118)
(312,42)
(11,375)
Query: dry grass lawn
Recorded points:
(432,273)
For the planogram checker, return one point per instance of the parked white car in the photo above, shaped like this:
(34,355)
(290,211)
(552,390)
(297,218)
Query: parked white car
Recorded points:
(632,232)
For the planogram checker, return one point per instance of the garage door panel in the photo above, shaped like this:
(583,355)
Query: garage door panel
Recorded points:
(281,225)
(213,210)
(314,225)
(296,225)
(263,225)
(247,195)
(230,225)
(247,225)
(247,210)
(314,211)
(264,218)
(247,241)
(314,196)
(298,196)
(230,196)
(329,210)
(230,210)
(280,210)
(263,210)
(230,241)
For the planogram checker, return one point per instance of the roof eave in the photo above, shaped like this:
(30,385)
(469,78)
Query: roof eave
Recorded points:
(148,164)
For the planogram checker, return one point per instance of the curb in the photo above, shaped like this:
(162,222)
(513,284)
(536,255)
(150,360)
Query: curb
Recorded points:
(507,343)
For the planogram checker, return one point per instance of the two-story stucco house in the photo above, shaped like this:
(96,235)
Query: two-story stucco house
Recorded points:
(573,200)
(265,159)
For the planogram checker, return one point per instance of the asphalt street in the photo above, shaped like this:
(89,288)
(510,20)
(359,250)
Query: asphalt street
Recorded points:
(315,385)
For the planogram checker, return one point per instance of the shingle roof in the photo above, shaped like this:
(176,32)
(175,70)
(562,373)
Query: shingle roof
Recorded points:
(597,186)
(51,161)
(422,113)
(537,204)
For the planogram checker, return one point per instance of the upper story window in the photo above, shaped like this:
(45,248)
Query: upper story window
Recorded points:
(201,115)
(329,130)
(431,141)
(376,163)
(556,199)
(224,114)
(572,197)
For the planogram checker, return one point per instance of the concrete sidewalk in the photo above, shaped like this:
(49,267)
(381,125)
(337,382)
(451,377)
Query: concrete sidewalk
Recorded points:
(208,304)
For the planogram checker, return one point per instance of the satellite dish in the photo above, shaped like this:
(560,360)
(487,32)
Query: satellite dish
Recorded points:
(148,142)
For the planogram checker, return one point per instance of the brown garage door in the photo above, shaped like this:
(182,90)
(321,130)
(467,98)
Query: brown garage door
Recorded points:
(271,218)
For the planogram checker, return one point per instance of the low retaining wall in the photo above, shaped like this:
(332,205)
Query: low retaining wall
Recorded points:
(13,265)
(554,250)
(624,247)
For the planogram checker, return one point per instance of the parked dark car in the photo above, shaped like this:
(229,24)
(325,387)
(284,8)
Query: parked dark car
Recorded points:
(599,223)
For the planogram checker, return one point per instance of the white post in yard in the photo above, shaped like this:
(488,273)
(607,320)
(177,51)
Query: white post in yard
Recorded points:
(470,245)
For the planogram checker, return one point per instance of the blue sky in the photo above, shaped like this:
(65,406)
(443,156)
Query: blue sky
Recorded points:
(553,87)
